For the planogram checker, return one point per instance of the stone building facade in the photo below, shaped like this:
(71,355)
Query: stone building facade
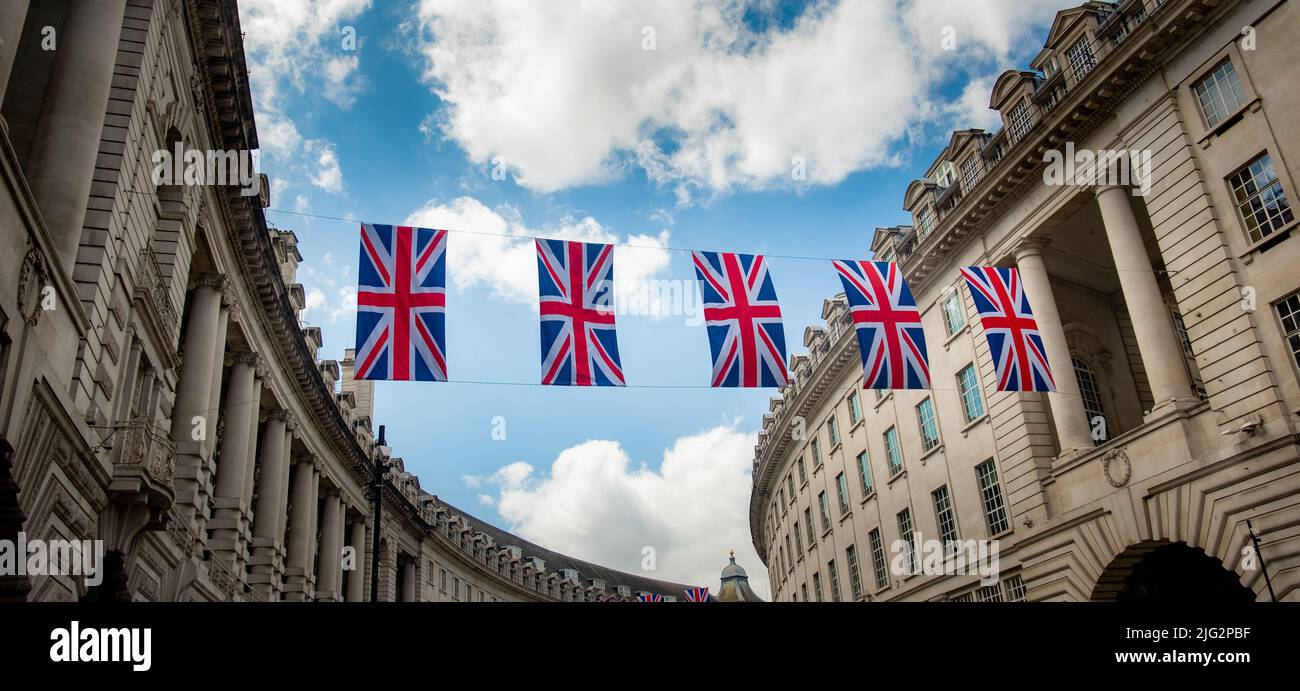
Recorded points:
(1169,307)
(156,390)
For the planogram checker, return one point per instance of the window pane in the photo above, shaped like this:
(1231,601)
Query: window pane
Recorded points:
(893,452)
(929,428)
(855,579)
(909,541)
(945,518)
(878,558)
(968,386)
(1090,392)
(953,317)
(991,494)
(1219,93)
(1260,199)
(1289,311)
(864,473)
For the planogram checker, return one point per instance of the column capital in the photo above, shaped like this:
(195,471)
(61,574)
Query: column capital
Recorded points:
(304,458)
(247,358)
(1099,189)
(278,415)
(209,279)
(1030,247)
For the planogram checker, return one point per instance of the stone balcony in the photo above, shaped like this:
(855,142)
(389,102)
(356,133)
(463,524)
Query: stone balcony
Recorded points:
(144,469)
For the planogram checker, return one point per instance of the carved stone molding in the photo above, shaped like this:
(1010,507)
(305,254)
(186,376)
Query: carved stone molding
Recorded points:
(1117,467)
(32,280)
(210,279)
(245,357)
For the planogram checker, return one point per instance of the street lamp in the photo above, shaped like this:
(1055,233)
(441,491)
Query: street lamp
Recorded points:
(377,495)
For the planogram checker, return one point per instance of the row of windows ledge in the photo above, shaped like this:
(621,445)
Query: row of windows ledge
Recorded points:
(1226,123)
(937,449)
(965,430)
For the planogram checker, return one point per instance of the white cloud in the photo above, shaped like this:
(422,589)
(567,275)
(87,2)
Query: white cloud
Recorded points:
(315,299)
(328,175)
(294,49)
(596,504)
(567,96)
(500,252)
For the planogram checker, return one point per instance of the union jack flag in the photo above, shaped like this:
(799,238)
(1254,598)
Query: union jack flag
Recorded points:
(697,594)
(401,304)
(888,324)
(576,289)
(1019,358)
(649,597)
(746,337)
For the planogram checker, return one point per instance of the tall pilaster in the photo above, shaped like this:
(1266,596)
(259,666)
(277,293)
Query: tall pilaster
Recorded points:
(1162,354)
(331,548)
(356,578)
(61,164)
(1072,425)
(302,530)
(235,465)
(267,563)
(409,580)
(193,423)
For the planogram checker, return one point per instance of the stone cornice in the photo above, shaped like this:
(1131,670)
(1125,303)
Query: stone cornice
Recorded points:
(1080,112)
(840,355)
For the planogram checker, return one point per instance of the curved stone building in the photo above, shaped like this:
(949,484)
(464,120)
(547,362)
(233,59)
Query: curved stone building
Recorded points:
(1169,306)
(156,391)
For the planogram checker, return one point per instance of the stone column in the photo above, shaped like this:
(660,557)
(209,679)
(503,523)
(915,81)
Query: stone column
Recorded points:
(356,578)
(283,517)
(61,164)
(193,391)
(266,564)
(1073,429)
(331,548)
(301,529)
(228,527)
(250,470)
(12,14)
(1162,354)
(314,537)
(218,372)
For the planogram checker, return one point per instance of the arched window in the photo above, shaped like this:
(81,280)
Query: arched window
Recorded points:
(1090,391)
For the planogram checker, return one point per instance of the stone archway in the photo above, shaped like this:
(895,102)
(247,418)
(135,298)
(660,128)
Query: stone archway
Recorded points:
(1168,572)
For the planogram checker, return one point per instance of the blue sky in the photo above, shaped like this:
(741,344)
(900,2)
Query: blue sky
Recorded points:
(688,145)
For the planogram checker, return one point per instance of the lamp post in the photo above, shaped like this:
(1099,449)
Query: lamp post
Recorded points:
(377,496)
(1259,556)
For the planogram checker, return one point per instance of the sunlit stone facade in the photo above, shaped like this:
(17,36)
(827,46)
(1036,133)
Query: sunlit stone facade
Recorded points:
(156,390)
(1171,320)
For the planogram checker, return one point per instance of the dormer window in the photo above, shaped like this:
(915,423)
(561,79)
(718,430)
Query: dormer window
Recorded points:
(945,174)
(924,222)
(970,172)
(1081,58)
(1018,120)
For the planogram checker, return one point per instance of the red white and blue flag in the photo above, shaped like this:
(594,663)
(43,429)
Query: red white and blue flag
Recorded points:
(576,291)
(1019,358)
(697,594)
(649,597)
(746,337)
(888,323)
(401,304)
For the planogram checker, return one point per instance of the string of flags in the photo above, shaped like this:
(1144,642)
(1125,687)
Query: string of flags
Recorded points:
(401,316)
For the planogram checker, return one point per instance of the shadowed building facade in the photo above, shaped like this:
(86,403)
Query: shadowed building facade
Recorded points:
(157,391)
(1169,307)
